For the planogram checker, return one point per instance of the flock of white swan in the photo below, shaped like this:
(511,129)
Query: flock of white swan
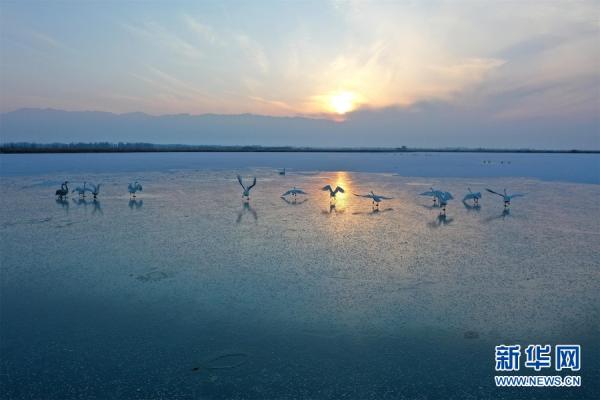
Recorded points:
(440,197)
(132,188)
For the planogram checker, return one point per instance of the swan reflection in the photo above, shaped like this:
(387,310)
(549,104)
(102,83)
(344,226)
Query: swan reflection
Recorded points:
(294,201)
(136,204)
(441,220)
(503,215)
(333,210)
(63,203)
(375,210)
(97,207)
(246,208)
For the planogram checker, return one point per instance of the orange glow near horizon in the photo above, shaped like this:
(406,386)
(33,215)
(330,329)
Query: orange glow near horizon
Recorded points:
(343,102)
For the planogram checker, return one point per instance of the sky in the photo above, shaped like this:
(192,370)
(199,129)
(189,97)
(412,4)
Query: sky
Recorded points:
(499,63)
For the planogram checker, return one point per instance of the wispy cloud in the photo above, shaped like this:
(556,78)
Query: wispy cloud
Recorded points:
(204,31)
(155,34)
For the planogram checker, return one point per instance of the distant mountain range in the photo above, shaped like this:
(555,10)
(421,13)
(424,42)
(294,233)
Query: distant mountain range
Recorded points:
(49,125)
(425,126)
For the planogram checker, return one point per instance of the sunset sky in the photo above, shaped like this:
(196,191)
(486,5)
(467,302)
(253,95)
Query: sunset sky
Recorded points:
(502,61)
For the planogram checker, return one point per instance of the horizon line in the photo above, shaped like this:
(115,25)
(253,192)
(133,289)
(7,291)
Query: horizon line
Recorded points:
(145,147)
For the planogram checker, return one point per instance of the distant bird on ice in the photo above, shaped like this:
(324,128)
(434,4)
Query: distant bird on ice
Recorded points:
(95,189)
(80,190)
(246,192)
(64,189)
(134,187)
(282,171)
(475,196)
(375,198)
(507,197)
(294,192)
(332,192)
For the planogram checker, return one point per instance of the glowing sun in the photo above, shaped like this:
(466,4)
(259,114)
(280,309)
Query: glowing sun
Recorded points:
(343,102)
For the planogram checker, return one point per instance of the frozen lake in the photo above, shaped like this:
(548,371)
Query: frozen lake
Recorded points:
(187,293)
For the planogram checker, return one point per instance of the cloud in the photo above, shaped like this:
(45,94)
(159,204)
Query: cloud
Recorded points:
(253,51)
(205,32)
(155,34)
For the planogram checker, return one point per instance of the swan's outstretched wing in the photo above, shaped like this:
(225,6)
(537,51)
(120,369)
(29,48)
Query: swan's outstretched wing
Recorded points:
(491,191)
(240,181)
(448,196)
(253,184)
(300,191)
(288,192)
(472,195)
(338,189)
(428,193)
(139,187)
(368,196)
(512,196)
(327,188)
(385,198)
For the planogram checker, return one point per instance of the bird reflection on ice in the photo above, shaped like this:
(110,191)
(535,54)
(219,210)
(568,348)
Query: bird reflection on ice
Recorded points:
(136,204)
(64,203)
(503,215)
(472,207)
(374,211)
(97,207)
(333,210)
(294,201)
(246,208)
(440,220)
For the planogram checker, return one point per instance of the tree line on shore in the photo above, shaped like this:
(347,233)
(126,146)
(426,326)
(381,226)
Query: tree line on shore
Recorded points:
(121,147)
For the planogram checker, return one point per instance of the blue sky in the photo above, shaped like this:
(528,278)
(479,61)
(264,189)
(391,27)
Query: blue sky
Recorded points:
(514,63)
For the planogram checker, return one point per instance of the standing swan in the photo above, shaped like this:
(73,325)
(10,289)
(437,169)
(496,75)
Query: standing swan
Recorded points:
(507,197)
(64,190)
(134,187)
(246,192)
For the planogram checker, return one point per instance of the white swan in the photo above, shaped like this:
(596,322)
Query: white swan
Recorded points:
(246,192)
(95,189)
(439,196)
(134,187)
(64,190)
(374,197)
(294,192)
(506,197)
(80,190)
(475,196)
(433,193)
(333,192)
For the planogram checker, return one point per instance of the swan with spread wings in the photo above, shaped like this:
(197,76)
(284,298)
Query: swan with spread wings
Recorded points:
(506,197)
(246,192)
(375,198)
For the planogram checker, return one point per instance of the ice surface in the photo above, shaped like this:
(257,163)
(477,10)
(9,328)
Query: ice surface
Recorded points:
(188,293)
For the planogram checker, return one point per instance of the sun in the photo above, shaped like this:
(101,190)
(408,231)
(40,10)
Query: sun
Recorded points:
(342,102)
